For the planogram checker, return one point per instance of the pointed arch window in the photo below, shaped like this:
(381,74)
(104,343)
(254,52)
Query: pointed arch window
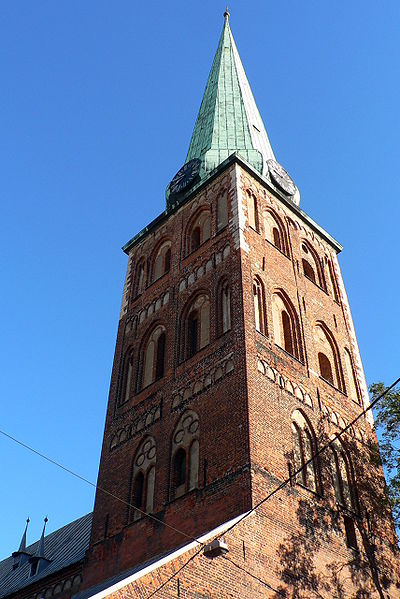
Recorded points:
(259,306)
(199,231)
(342,477)
(274,232)
(153,357)
(162,261)
(127,377)
(185,454)
(332,279)
(224,308)
(329,363)
(197,326)
(304,447)
(252,211)
(139,281)
(312,267)
(141,496)
(286,325)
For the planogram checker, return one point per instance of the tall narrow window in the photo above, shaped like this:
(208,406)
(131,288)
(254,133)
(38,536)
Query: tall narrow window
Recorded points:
(197,326)
(329,363)
(222,211)
(325,368)
(312,266)
(332,280)
(274,231)
(259,306)
(304,447)
(141,496)
(127,377)
(224,308)
(198,231)
(286,325)
(185,454)
(252,211)
(342,477)
(139,279)
(161,261)
(153,357)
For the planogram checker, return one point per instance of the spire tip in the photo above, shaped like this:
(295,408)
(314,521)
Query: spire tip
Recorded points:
(227,14)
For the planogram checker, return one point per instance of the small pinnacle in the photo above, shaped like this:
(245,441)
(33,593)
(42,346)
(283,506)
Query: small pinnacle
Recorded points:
(227,14)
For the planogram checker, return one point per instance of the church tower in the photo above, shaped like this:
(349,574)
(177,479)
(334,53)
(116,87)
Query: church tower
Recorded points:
(236,361)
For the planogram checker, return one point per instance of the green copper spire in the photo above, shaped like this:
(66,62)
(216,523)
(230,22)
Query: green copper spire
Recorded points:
(228,119)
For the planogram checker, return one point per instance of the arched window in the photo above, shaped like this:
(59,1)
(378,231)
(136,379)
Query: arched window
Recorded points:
(198,231)
(222,211)
(259,306)
(141,496)
(353,387)
(197,326)
(185,454)
(312,266)
(125,388)
(252,211)
(304,447)
(329,364)
(342,479)
(153,357)
(224,308)
(274,231)
(286,325)
(162,261)
(332,279)
(139,278)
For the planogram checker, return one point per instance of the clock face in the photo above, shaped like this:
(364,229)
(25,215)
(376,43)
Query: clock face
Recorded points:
(185,176)
(280,177)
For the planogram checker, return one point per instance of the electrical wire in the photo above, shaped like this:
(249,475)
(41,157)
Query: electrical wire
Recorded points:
(246,515)
(312,458)
(266,584)
(89,482)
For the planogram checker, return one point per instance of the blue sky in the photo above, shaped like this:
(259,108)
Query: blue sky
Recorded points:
(98,103)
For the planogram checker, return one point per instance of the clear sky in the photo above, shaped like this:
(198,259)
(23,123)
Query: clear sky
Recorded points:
(98,103)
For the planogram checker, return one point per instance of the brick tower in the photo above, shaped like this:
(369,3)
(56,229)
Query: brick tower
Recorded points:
(236,359)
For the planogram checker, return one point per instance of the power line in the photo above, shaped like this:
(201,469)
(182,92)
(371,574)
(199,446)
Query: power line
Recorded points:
(312,458)
(263,582)
(89,482)
(174,574)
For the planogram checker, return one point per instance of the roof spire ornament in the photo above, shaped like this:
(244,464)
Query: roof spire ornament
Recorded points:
(227,14)
(40,551)
(22,545)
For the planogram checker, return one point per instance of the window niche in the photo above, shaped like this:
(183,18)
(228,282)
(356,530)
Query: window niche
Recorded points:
(224,308)
(139,278)
(312,268)
(329,364)
(198,231)
(141,495)
(196,326)
(286,325)
(185,455)
(304,447)
(259,306)
(222,211)
(274,232)
(162,261)
(152,361)
(252,211)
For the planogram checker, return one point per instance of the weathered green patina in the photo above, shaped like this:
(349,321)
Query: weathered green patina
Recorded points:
(228,120)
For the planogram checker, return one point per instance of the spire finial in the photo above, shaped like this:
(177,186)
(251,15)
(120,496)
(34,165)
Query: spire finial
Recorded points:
(40,551)
(227,14)
(22,546)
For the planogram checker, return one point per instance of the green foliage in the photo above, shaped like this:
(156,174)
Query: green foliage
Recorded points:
(387,416)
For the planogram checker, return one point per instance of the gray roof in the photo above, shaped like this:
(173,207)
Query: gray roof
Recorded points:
(64,547)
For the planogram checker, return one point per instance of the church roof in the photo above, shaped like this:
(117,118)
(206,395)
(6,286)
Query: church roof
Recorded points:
(229,120)
(64,547)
